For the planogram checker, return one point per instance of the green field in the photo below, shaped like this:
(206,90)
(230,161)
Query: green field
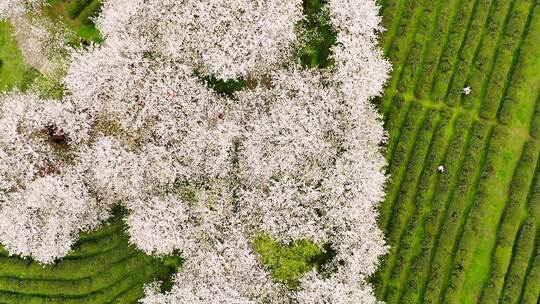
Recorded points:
(468,235)
(13,70)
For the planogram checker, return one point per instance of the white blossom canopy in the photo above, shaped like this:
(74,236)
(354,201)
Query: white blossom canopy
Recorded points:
(295,154)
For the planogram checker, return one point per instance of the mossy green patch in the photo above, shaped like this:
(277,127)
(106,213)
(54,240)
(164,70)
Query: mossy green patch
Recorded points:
(14,72)
(287,263)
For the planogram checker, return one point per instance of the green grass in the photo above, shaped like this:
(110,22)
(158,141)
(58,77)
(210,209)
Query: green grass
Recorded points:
(14,72)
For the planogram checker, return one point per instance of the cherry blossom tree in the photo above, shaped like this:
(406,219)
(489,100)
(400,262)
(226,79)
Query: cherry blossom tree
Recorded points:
(295,154)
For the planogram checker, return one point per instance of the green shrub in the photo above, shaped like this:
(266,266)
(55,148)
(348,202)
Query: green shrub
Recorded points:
(224,88)
(451,53)
(400,155)
(484,59)
(510,222)
(531,289)
(457,208)
(515,276)
(508,49)
(289,263)
(471,46)
(76,7)
(434,49)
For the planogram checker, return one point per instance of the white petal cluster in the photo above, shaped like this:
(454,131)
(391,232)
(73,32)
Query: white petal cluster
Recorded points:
(10,8)
(26,126)
(41,42)
(226,270)
(295,154)
(44,219)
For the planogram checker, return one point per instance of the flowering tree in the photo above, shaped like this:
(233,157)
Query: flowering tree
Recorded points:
(295,154)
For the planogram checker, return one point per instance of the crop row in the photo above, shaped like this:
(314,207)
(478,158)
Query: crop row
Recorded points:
(433,212)
(417,50)
(535,121)
(470,266)
(517,270)
(423,193)
(523,90)
(531,289)
(455,40)
(109,276)
(400,156)
(506,56)
(393,121)
(510,222)
(457,210)
(487,50)
(129,287)
(102,268)
(407,187)
(435,47)
(398,45)
(468,53)
(390,15)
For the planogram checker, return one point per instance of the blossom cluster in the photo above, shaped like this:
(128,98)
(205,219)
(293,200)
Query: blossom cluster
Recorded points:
(295,154)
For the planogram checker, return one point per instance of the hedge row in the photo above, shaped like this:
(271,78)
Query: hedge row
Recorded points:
(424,192)
(533,201)
(473,39)
(484,58)
(457,210)
(531,289)
(76,287)
(67,269)
(510,222)
(435,48)
(133,280)
(400,156)
(76,7)
(400,42)
(423,34)
(83,250)
(411,173)
(455,40)
(519,103)
(393,121)
(535,121)
(390,15)
(420,265)
(506,54)
(100,279)
(402,205)
(476,226)
(521,254)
